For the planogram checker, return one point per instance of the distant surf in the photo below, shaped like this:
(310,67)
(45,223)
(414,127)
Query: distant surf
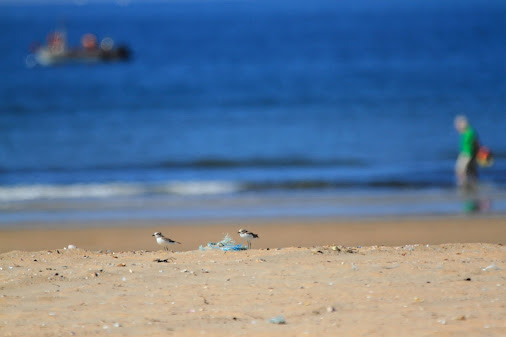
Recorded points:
(195,188)
(109,190)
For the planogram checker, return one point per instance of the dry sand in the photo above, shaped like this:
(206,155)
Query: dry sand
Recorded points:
(399,290)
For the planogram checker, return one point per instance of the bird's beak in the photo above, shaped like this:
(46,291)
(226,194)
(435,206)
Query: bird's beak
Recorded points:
(153,235)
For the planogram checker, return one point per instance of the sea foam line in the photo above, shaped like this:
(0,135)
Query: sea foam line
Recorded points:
(74,191)
(33,192)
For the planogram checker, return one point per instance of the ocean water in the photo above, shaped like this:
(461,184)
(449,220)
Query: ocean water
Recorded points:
(250,109)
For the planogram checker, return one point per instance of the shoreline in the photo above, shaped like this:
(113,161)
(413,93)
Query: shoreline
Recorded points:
(274,233)
(342,206)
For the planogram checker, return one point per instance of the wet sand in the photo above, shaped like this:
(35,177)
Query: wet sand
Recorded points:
(273,233)
(425,281)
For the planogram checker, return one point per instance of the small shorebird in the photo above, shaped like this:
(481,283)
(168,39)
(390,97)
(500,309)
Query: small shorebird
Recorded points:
(163,241)
(248,236)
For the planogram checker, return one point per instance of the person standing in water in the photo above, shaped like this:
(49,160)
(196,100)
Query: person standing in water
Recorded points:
(466,168)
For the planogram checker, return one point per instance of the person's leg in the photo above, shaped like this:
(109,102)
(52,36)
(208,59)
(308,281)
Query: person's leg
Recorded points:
(461,168)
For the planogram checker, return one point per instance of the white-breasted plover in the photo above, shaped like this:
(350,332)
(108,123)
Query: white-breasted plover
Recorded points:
(163,241)
(248,236)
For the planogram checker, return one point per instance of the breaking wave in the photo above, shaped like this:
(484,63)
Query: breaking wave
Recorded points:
(74,191)
(191,188)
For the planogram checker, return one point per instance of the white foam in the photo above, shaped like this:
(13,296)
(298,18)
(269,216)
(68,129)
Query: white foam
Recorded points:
(201,187)
(34,192)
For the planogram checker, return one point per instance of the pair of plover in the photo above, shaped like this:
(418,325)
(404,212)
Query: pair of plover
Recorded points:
(166,242)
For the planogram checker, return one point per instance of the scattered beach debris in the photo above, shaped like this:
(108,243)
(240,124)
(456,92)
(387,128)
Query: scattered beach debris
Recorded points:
(167,260)
(491,266)
(278,320)
(121,265)
(226,244)
(331,309)
(71,247)
(335,248)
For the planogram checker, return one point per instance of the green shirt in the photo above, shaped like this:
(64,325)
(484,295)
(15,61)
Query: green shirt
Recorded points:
(468,142)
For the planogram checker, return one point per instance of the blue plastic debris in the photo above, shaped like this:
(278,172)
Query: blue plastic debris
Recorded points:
(236,247)
(227,244)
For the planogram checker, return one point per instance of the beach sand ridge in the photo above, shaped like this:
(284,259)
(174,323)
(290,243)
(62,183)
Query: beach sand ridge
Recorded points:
(411,290)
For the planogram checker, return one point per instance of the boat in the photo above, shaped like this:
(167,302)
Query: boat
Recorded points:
(57,52)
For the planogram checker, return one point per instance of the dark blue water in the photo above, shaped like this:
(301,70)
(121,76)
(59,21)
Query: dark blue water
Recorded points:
(249,101)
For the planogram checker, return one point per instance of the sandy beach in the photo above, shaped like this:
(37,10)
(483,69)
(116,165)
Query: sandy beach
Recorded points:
(391,278)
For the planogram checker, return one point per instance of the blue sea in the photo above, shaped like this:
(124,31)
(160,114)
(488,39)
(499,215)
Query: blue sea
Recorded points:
(250,109)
